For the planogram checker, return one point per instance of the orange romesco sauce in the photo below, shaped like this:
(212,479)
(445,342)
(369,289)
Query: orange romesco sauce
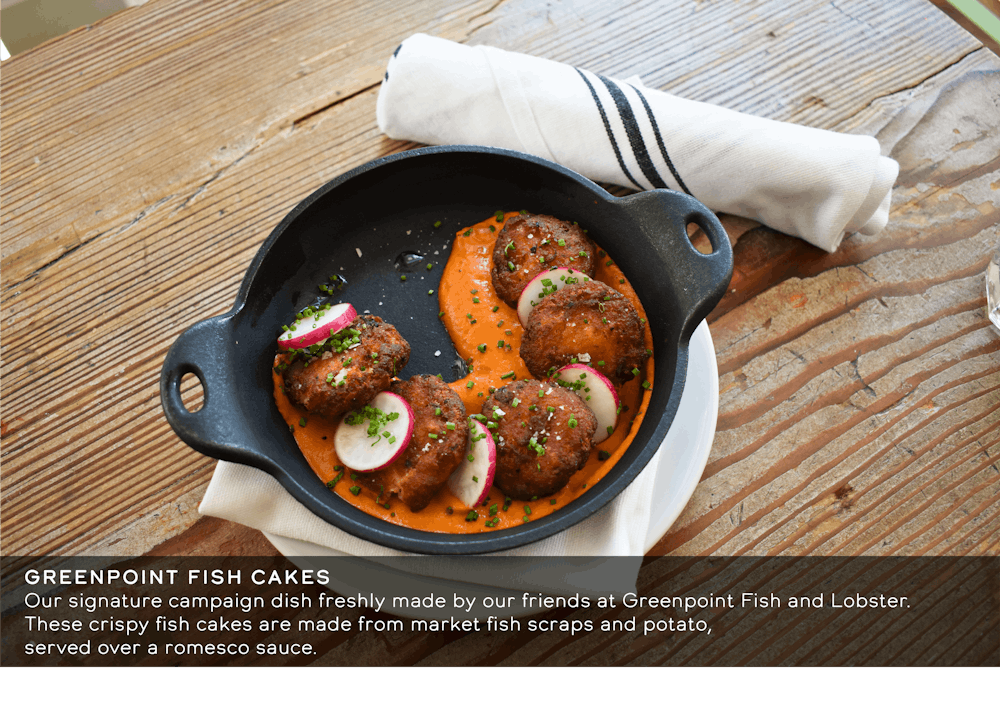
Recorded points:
(468,269)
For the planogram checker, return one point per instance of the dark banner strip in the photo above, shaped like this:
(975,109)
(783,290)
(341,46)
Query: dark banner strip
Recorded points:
(269,611)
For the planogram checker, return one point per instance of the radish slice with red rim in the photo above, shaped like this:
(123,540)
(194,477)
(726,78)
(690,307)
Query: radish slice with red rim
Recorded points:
(544,284)
(472,480)
(314,326)
(371,438)
(596,391)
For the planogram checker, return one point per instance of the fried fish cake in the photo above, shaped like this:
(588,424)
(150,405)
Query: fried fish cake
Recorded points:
(588,323)
(530,244)
(440,435)
(333,383)
(542,439)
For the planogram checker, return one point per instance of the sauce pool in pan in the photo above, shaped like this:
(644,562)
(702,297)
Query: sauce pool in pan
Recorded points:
(474,316)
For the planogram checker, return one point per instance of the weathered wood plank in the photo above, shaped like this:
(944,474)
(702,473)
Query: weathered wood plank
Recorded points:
(850,393)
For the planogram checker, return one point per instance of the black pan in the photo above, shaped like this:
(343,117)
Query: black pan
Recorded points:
(389,207)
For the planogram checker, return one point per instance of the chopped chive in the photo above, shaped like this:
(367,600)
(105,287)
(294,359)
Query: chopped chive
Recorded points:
(437,411)
(507,375)
(402,278)
(646,385)
(469,385)
(355,489)
(437,224)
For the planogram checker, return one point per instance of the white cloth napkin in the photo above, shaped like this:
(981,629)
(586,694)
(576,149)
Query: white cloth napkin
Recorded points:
(803,181)
(252,497)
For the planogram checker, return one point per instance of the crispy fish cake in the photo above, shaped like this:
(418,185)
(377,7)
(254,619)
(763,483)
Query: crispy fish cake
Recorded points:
(589,322)
(541,440)
(530,244)
(351,368)
(440,434)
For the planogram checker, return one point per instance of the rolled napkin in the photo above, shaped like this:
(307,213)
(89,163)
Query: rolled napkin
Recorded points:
(812,183)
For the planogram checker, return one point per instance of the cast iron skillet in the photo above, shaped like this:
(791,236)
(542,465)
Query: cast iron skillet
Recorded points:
(389,207)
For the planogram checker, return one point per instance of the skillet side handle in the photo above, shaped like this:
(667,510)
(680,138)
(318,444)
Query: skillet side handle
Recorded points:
(215,429)
(705,278)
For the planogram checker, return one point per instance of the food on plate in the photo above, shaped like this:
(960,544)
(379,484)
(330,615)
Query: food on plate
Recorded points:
(544,434)
(472,480)
(313,326)
(529,244)
(588,323)
(346,371)
(596,391)
(544,284)
(465,478)
(440,435)
(371,438)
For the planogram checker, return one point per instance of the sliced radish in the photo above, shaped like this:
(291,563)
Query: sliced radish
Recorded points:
(371,438)
(472,480)
(543,285)
(596,391)
(317,326)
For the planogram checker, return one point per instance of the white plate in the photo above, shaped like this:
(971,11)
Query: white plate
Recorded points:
(685,453)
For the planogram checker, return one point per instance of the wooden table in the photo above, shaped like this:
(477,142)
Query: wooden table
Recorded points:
(146,157)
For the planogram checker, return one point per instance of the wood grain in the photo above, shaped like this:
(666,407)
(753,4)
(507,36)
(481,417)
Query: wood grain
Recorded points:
(147,157)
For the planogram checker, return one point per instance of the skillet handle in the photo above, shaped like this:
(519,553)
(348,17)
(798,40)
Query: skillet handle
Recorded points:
(215,429)
(705,278)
